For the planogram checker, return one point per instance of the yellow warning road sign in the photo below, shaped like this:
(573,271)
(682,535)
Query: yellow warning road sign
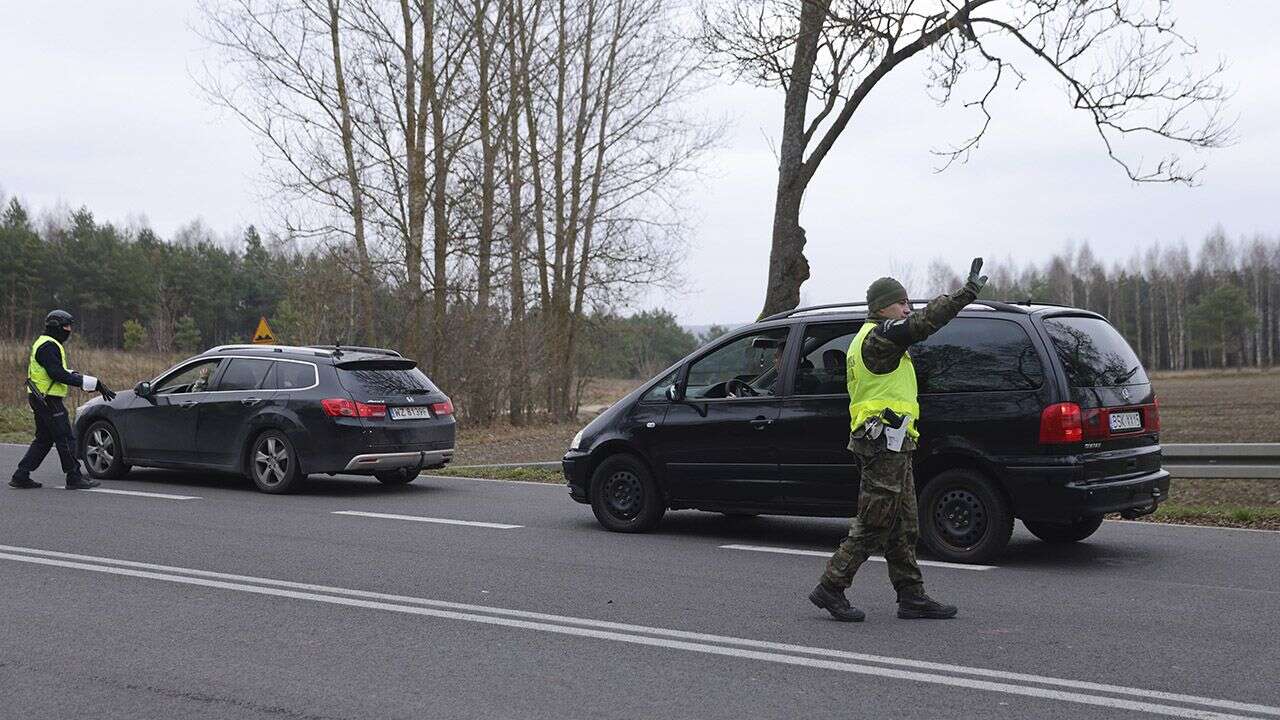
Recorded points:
(263,335)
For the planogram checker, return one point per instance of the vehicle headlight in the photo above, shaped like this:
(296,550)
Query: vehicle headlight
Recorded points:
(577,440)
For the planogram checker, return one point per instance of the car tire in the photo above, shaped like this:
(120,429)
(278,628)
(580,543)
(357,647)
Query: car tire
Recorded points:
(964,518)
(399,476)
(624,496)
(281,476)
(103,454)
(1068,532)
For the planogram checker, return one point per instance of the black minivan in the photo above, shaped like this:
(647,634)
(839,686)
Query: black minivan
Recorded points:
(1033,411)
(275,413)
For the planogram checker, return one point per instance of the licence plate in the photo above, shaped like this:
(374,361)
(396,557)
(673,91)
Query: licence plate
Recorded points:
(410,413)
(1126,421)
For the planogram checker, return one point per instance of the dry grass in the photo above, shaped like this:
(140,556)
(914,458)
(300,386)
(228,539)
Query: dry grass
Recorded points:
(119,369)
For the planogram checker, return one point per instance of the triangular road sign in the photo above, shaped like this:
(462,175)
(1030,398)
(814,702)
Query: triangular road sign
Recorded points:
(263,335)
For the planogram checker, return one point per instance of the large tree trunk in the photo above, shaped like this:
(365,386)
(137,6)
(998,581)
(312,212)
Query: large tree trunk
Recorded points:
(788,267)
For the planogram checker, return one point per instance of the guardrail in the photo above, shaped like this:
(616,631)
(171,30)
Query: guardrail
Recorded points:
(1223,460)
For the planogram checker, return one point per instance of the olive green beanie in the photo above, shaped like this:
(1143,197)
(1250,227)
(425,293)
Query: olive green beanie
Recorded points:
(883,293)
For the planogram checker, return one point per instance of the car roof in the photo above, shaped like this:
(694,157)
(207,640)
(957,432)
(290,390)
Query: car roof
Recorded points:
(332,353)
(857,311)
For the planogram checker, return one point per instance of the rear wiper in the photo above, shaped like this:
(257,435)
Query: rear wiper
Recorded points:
(1127,375)
(417,391)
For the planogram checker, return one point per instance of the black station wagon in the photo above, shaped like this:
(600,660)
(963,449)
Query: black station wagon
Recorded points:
(275,413)
(1028,411)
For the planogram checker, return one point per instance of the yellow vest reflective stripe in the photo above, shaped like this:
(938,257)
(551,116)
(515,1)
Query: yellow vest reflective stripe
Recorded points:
(39,376)
(870,394)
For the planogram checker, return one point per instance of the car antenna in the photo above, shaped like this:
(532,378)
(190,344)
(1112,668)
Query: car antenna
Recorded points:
(337,348)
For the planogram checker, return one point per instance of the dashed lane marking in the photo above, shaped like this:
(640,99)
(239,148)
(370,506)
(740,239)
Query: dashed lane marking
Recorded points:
(877,558)
(419,518)
(139,493)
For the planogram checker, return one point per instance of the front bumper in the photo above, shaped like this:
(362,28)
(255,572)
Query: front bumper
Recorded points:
(378,462)
(1060,494)
(576,467)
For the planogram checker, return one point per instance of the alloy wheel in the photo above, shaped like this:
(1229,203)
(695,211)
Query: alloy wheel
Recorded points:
(100,450)
(271,461)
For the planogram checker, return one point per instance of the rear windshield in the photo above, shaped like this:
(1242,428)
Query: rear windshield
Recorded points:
(1093,354)
(387,378)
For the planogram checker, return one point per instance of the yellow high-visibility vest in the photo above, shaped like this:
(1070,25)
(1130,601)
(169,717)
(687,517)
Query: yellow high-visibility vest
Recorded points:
(871,394)
(39,376)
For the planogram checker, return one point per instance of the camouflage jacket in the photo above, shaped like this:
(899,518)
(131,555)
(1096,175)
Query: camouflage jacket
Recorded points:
(884,346)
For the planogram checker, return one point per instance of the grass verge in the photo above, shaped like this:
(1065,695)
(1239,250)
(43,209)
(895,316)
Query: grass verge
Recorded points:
(1236,516)
(550,475)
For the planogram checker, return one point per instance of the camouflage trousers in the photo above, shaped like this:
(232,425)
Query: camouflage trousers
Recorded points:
(886,523)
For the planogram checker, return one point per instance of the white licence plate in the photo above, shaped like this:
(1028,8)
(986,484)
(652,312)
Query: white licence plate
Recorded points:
(410,413)
(1126,421)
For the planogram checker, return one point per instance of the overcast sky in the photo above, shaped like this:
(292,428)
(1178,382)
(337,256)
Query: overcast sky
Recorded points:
(99,109)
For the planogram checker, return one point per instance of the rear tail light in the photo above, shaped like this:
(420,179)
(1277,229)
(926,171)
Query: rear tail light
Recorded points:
(343,407)
(443,408)
(1060,423)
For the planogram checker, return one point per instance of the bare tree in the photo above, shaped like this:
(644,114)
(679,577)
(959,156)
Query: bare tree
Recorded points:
(1124,64)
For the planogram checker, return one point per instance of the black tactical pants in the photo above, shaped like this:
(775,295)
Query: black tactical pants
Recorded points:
(53,429)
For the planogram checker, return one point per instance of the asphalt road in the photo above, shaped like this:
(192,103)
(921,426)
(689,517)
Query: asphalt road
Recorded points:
(202,598)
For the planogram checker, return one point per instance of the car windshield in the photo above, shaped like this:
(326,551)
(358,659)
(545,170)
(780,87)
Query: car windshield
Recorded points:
(1093,353)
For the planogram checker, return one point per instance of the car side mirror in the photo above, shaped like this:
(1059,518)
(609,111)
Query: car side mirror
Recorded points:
(142,389)
(673,392)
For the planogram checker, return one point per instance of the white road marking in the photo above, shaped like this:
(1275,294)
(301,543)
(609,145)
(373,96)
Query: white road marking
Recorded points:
(877,558)
(694,642)
(419,518)
(138,493)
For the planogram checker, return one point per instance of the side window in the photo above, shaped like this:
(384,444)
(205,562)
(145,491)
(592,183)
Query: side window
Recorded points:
(975,355)
(290,376)
(659,392)
(192,378)
(823,363)
(755,360)
(244,374)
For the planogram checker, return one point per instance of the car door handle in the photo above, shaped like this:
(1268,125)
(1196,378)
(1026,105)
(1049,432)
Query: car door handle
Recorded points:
(250,401)
(761,423)
(187,404)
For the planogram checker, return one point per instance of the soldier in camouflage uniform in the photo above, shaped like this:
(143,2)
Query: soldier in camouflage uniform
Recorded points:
(883,403)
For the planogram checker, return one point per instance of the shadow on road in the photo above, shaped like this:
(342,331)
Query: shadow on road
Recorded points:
(824,534)
(314,486)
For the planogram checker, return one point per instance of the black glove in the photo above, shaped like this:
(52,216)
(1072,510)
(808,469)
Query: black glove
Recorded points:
(975,283)
(105,392)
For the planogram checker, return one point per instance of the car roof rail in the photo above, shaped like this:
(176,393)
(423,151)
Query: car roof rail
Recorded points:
(339,349)
(267,348)
(993,304)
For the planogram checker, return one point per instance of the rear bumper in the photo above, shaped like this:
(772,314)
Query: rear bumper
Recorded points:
(1061,493)
(377,462)
(575,467)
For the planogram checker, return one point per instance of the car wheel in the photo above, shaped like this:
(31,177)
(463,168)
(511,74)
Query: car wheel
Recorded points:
(103,454)
(964,517)
(624,496)
(399,476)
(1068,532)
(273,464)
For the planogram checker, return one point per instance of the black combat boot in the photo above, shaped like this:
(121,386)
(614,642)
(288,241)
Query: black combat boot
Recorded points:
(81,483)
(913,605)
(23,483)
(834,602)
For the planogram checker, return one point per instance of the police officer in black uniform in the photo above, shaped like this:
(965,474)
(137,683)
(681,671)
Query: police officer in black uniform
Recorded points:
(48,379)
